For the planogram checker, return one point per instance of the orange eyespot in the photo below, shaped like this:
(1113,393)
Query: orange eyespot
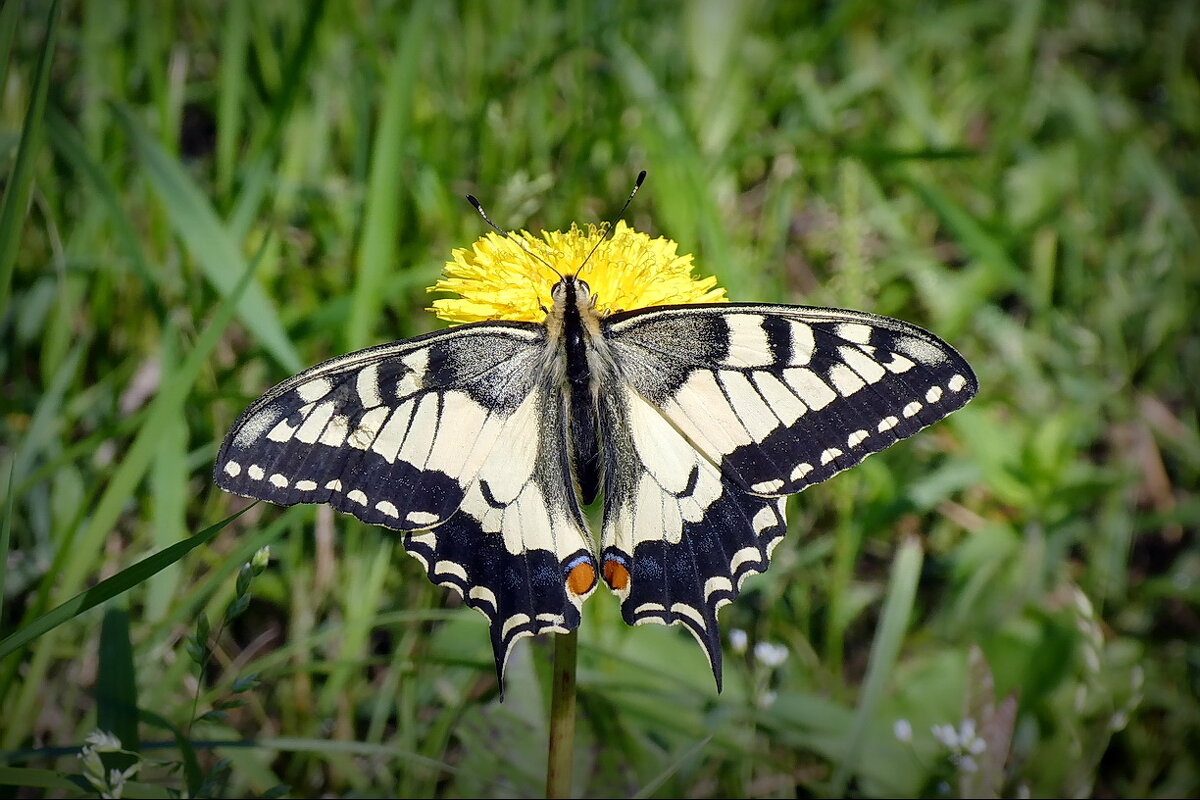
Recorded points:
(581,578)
(615,574)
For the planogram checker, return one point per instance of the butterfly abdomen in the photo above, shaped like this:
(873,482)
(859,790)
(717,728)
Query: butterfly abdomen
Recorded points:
(572,321)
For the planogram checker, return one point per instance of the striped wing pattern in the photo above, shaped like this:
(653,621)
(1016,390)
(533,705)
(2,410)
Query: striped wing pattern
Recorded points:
(724,410)
(452,438)
(708,417)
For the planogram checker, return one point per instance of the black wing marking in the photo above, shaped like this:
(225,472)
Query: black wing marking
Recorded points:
(453,438)
(757,402)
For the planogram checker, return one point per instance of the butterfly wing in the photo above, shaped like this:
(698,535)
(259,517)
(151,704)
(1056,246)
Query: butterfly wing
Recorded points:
(729,409)
(457,440)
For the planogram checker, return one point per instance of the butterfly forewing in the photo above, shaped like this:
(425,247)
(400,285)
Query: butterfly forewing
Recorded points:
(456,439)
(782,397)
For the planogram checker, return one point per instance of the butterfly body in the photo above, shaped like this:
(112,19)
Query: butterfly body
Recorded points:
(481,444)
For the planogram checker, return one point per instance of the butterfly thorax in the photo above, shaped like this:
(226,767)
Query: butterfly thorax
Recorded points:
(576,343)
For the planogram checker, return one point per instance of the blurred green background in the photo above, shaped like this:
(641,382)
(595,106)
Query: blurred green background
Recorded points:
(1019,177)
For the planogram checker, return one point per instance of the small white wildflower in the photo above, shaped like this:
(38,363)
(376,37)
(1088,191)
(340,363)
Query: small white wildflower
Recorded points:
(1081,695)
(116,784)
(1118,721)
(738,640)
(902,729)
(770,654)
(767,699)
(966,731)
(967,764)
(1091,658)
(1137,677)
(946,735)
(1083,603)
(103,741)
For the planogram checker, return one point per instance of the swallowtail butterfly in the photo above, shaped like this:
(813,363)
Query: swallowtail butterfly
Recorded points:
(482,443)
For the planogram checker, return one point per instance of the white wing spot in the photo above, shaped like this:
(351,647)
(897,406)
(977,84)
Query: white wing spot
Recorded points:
(233,469)
(911,409)
(717,583)
(256,472)
(934,394)
(367,384)
(281,432)
(334,485)
(768,486)
(867,368)
(335,432)
(857,438)
(742,556)
(809,387)
(418,361)
(315,423)
(802,344)
(899,364)
(482,593)
(314,390)
(854,332)
(367,430)
(923,351)
(800,471)
(388,508)
(421,517)
(845,380)
(450,568)
(887,423)
(357,496)
(748,345)
(957,383)
(279,480)
(829,455)
(765,517)
(306,486)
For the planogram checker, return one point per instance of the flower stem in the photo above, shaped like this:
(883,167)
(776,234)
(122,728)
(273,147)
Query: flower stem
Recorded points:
(562,716)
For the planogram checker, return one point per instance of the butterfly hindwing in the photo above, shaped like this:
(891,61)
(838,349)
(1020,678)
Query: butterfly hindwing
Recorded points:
(679,536)
(724,411)
(456,439)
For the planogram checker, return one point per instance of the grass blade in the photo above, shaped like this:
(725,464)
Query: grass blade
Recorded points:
(8,26)
(897,606)
(116,687)
(209,242)
(20,181)
(6,533)
(67,142)
(377,250)
(109,588)
(164,408)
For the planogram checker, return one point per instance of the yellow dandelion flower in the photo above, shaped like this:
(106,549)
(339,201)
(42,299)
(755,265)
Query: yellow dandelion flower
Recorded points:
(497,278)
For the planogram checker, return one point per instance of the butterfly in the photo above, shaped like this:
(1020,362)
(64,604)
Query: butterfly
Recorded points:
(482,444)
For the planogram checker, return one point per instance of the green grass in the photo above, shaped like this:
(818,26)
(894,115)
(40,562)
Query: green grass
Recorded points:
(1020,178)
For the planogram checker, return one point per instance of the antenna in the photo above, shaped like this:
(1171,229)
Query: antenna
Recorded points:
(520,242)
(610,225)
